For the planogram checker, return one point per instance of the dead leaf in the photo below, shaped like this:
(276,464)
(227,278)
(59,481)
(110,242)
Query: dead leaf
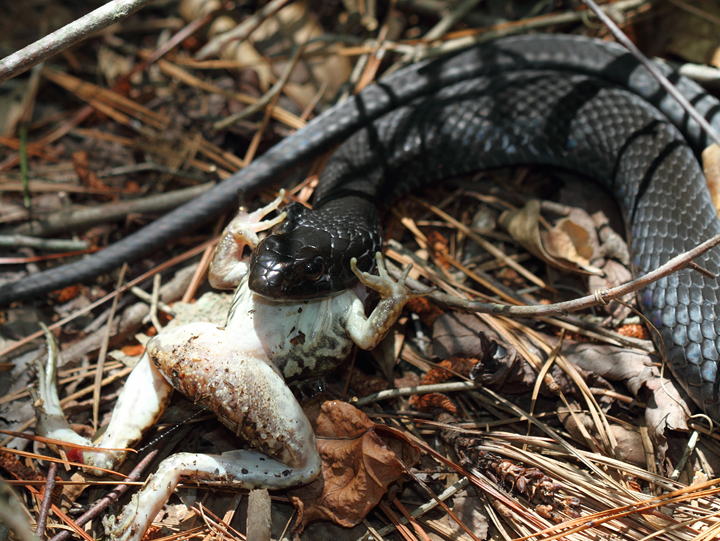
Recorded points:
(558,246)
(668,407)
(629,442)
(113,65)
(688,36)
(711,167)
(574,238)
(357,465)
(469,510)
(71,492)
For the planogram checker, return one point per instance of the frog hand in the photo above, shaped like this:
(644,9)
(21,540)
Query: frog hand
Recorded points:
(227,268)
(367,332)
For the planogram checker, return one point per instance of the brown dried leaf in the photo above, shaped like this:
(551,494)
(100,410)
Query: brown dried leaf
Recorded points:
(629,446)
(668,406)
(572,240)
(711,167)
(357,465)
(561,247)
(688,36)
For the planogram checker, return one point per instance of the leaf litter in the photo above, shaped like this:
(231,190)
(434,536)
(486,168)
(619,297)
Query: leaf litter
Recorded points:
(586,450)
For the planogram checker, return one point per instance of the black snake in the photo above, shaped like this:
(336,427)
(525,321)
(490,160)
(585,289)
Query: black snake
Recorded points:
(565,101)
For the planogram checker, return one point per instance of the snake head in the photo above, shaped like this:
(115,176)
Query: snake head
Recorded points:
(304,257)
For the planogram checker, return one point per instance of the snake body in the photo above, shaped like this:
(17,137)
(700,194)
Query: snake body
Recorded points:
(565,101)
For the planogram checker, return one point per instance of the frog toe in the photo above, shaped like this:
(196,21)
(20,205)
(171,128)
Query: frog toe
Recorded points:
(121,528)
(50,418)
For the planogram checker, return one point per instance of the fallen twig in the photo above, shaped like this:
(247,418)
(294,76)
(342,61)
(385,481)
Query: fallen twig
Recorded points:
(103,503)
(68,35)
(563,308)
(47,500)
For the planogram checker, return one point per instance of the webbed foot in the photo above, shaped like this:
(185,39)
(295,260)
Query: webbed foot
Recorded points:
(50,419)
(120,528)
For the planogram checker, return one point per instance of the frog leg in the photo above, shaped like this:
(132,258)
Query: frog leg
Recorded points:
(367,332)
(141,402)
(227,268)
(211,366)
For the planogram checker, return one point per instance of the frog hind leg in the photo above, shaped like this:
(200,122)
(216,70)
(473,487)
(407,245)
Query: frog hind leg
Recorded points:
(141,402)
(239,383)
(250,468)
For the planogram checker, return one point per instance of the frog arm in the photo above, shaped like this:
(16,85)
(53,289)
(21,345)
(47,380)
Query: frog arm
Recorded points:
(140,404)
(227,268)
(367,332)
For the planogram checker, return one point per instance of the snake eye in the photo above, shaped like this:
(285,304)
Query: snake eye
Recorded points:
(314,269)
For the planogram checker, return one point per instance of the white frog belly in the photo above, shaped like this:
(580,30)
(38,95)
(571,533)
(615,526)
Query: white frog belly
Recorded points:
(303,339)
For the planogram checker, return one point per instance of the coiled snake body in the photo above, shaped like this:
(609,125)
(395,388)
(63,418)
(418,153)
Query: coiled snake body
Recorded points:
(564,101)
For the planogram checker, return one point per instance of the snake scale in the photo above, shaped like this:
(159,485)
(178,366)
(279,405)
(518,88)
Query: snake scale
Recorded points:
(564,101)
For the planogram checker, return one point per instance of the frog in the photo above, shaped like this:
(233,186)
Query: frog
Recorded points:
(240,371)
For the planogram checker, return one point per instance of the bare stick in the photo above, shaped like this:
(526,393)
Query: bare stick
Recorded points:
(102,504)
(75,218)
(52,245)
(563,308)
(46,502)
(68,35)
(258,516)
(654,71)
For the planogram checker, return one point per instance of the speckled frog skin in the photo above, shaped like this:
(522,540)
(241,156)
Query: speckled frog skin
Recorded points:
(239,372)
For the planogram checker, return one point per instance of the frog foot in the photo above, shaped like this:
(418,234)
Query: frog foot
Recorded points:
(384,284)
(120,528)
(227,268)
(50,418)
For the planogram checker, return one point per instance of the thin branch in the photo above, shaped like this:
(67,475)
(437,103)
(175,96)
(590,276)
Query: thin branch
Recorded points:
(102,504)
(78,218)
(448,387)
(46,501)
(68,35)
(563,308)
(53,245)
